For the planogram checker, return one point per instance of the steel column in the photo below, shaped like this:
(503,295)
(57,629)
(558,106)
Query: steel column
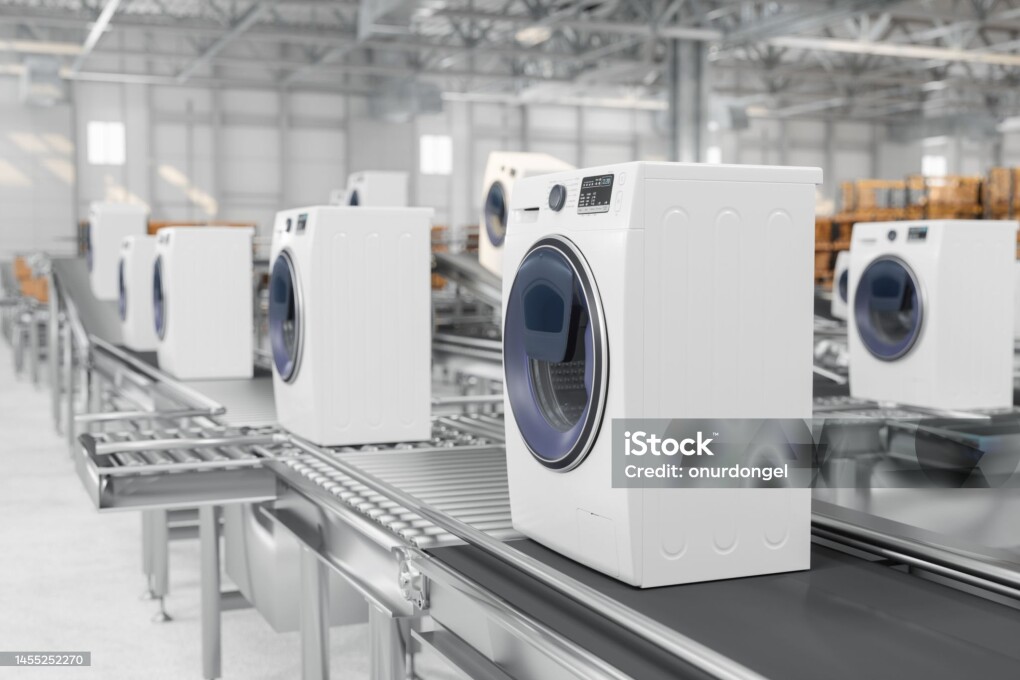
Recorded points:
(688,99)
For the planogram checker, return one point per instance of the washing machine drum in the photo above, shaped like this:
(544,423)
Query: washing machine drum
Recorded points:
(158,299)
(121,292)
(495,213)
(88,245)
(354,199)
(843,285)
(555,354)
(284,317)
(888,308)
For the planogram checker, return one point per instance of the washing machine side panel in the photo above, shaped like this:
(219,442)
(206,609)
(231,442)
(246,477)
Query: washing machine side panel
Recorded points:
(209,304)
(729,303)
(974,318)
(1016,300)
(381,189)
(108,230)
(368,327)
(728,320)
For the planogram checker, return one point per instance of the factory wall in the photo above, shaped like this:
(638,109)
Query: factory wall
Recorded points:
(36,175)
(230,154)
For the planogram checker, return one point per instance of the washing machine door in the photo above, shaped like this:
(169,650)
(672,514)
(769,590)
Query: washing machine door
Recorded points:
(843,285)
(159,298)
(285,317)
(355,199)
(121,291)
(888,308)
(495,213)
(555,354)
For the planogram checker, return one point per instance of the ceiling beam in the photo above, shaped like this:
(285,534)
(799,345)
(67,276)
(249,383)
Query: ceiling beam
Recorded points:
(242,24)
(98,28)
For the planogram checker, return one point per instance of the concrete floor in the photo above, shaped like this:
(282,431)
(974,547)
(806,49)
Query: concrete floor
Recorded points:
(70,578)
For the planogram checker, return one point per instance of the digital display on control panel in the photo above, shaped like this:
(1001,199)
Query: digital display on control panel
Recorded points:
(595,195)
(917,233)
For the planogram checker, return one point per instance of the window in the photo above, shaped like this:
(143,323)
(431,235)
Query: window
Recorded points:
(933,166)
(435,155)
(106,145)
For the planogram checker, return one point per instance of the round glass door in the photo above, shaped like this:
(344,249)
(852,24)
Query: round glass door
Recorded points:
(888,308)
(121,292)
(355,198)
(284,317)
(495,214)
(843,285)
(159,299)
(555,354)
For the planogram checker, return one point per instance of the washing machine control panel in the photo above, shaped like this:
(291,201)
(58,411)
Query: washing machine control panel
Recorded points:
(596,194)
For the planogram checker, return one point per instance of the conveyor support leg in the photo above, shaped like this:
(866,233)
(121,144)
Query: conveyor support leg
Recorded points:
(388,645)
(314,617)
(160,537)
(209,538)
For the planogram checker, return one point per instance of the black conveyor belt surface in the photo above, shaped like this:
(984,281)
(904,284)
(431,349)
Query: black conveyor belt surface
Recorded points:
(145,357)
(846,618)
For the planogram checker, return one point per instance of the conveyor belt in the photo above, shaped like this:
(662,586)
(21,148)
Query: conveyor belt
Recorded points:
(98,317)
(178,467)
(845,618)
(461,471)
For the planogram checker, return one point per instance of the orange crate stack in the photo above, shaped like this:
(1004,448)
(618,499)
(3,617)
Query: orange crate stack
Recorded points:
(439,245)
(36,287)
(156,225)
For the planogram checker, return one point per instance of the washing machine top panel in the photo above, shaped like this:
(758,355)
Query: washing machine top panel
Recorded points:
(888,308)
(121,291)
(285,322)
(495,212)
(555,354)
(158,299)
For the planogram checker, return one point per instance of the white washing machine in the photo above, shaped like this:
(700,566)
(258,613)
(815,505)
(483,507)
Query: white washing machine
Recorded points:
(377,189)
(350,323)
(634,291)
(502,170)
(135,274)
(1016,293)
(840,285)
(108,224)
(931,318)
(202,302)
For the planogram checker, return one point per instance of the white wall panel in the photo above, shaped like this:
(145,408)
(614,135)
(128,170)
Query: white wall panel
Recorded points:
(37,176)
